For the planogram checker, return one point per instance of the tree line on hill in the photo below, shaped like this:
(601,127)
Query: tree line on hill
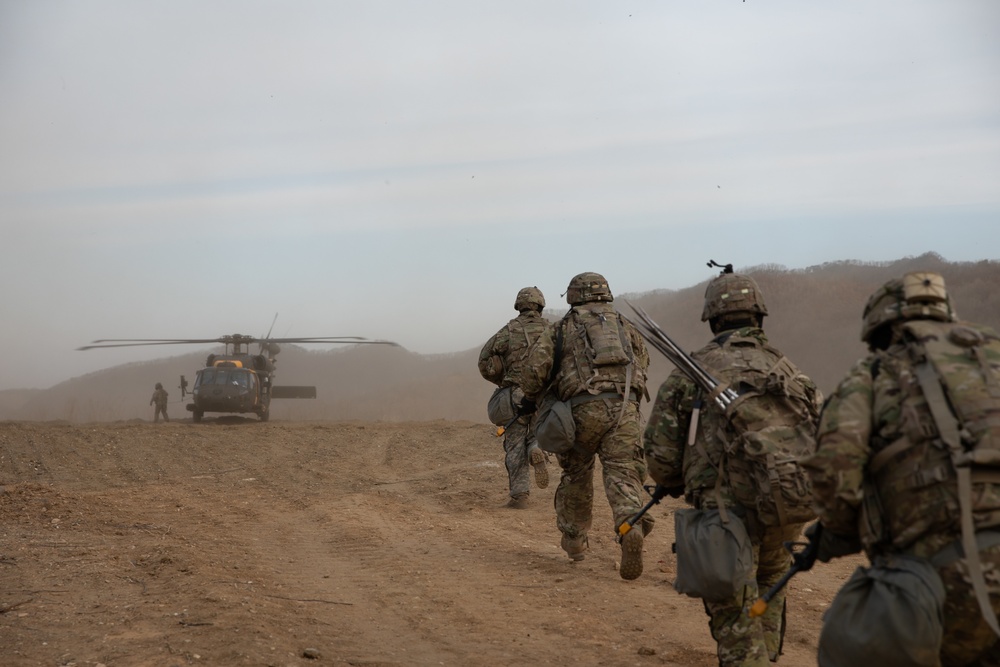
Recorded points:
(814,318)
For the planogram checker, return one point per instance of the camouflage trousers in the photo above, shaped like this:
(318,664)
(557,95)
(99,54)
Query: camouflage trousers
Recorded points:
(518,441)
(160,409)
(968,640)
(755,642)
(617,445)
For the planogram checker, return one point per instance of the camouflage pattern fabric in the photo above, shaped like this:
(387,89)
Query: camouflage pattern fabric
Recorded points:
(603,428)
(617,446)
(501,361)
(877,405)
(159,399)
(576,373)
(518,440)
(671,462)
(502,358)
(754,642)
(968,640)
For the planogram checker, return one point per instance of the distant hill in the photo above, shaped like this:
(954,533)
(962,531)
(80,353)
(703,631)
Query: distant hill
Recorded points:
(815,318)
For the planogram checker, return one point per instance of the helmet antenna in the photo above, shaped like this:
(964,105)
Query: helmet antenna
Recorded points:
(726,268)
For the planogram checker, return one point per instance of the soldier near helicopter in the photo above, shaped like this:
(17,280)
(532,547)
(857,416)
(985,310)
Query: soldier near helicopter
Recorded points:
(501,361)
(587,375)
(159,399)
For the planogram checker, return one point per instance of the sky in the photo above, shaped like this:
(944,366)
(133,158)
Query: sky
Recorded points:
(399,170)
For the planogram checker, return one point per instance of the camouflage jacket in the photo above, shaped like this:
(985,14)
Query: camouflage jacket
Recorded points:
(159,397)
(670,460)
(574,364)
(906,501)
(502,358)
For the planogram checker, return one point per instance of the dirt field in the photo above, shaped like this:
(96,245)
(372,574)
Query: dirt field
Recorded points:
(234,542)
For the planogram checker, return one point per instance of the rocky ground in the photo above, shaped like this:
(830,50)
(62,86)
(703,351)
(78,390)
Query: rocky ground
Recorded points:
(234,542)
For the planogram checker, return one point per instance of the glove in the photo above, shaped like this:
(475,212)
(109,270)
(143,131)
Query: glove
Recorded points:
(673,491)
(826,545)
(527,407)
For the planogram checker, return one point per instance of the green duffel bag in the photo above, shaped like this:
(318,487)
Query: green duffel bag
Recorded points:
(714,557)
(503,405)
(890,614)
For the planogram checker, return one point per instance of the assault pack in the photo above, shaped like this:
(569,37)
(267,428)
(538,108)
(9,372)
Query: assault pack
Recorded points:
(601,352)
(771,427)
(771,412)
(957,367)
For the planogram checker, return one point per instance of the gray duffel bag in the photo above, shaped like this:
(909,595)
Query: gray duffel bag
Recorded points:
(714,557)
(890,614)
(555,429)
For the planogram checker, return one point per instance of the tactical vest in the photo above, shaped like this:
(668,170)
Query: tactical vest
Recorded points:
(597,355)
(943,470)
(767,430)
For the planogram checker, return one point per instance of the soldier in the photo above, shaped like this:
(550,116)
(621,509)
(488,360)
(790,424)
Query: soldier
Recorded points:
(160,400)
(596,361)
(693,453)
(884,475)
(501,361)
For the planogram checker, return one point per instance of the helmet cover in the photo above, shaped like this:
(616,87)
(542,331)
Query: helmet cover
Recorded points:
(917,295)
(587,287)
(529,298)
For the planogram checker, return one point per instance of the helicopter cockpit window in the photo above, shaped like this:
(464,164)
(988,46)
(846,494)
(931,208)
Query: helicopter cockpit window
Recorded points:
(240,379)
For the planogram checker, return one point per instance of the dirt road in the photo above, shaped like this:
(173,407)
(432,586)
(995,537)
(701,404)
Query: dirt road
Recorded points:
(234,542)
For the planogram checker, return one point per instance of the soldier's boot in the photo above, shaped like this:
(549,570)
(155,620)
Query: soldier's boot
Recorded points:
(575,547)
(541,470)
(631,565)
(518,502)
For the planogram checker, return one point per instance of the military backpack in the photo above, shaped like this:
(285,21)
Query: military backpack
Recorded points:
(769,428)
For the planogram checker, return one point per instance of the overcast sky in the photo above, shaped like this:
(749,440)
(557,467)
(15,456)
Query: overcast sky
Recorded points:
(398,170)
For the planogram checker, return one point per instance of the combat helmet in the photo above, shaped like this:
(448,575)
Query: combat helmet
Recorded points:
(917,295)
(529,298)
(587,287)
(158,386)
(732,294)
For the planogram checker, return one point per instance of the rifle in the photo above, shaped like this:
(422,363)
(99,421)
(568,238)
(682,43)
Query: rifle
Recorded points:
(801,561)
(721,393)
(658,493)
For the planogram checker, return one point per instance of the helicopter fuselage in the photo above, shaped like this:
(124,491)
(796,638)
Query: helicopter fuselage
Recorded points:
(229,385)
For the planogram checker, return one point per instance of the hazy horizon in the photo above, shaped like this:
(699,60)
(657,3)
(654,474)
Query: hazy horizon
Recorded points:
(398,171)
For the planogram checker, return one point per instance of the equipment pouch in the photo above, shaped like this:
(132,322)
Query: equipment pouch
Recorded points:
(503,405)
(714,558)
(890,614)
(554,426)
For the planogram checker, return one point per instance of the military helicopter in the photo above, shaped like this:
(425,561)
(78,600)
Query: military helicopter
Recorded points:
(237,381)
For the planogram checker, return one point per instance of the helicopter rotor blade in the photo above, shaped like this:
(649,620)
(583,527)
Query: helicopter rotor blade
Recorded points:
(135,342)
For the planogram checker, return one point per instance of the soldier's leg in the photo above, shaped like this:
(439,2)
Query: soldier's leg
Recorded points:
(516,458)
(624,468)
(773,562)
(574,497)
(739,638)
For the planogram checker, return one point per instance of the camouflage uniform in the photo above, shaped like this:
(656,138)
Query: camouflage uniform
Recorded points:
(500,361)
(159,399)
(605,427)
(741,640)
(875,407)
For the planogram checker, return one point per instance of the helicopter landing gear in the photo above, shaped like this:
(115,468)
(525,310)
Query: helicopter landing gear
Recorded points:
(196,415)
(265,415)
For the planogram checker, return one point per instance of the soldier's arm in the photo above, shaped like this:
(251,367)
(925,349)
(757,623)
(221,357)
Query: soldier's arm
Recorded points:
(538,364)
(491,357)
(842,453)
(666,432)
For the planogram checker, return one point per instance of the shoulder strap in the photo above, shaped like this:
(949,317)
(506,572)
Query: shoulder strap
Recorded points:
(948,428)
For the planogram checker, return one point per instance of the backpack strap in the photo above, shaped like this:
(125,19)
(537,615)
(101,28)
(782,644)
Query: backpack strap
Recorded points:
(948,428)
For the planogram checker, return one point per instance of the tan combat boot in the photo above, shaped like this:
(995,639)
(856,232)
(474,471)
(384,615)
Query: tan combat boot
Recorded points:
(575,547)
(518,502)
(541,471)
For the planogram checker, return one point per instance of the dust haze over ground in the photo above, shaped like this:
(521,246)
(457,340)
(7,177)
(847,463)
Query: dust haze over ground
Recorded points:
(234,542)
